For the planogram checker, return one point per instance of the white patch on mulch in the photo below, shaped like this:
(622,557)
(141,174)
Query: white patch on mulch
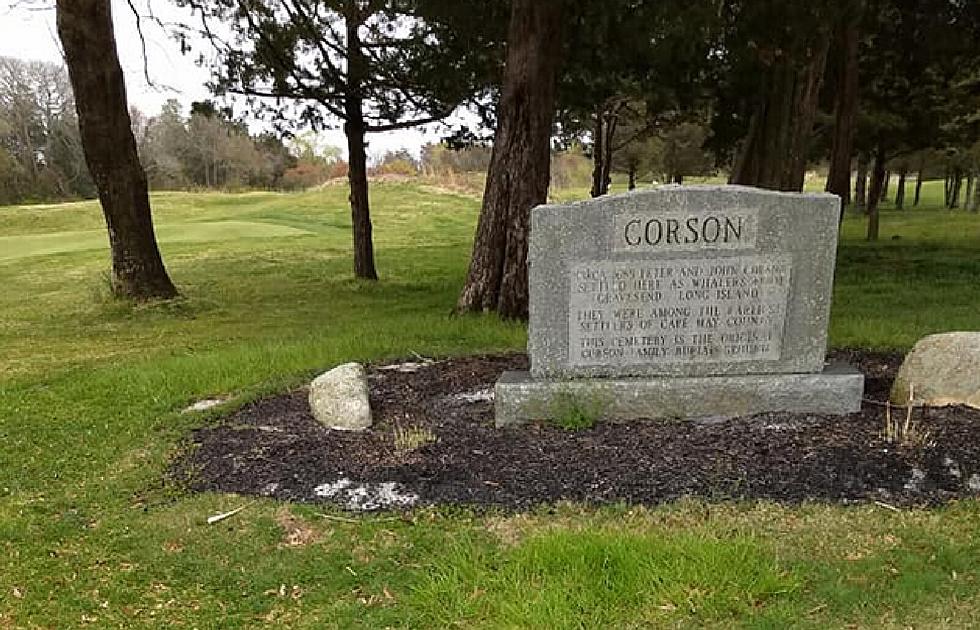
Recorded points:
(915,481)
(952,467)
(204,405)
(408,366)
(973,483)
(777,426)
(366,497)
(480,395)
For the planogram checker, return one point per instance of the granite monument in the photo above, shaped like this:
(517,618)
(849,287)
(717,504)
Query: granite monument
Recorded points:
(682,301)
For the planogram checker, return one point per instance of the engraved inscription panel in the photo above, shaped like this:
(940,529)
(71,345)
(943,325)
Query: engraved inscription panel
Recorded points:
(653,312)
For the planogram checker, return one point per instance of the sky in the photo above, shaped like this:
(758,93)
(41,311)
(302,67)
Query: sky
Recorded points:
(27,31)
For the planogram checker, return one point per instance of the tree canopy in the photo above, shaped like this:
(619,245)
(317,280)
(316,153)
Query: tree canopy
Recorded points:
(760,90)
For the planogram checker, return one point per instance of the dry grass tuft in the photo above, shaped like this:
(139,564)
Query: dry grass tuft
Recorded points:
(905,432)
(409,439)
(296,531)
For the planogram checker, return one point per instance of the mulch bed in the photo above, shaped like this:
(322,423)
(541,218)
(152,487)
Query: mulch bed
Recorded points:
(274,447)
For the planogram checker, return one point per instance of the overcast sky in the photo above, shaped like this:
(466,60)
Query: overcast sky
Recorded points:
(31,34)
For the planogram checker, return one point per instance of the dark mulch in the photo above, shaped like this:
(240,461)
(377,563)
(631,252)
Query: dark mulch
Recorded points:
(274,447)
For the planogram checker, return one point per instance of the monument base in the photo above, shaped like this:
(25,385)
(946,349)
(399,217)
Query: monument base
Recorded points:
(520,398)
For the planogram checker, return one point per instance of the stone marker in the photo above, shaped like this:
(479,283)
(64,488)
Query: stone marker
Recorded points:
(339,398)
(681,301)
(942,370)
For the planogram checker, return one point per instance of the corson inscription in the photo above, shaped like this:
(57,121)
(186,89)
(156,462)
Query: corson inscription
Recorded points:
(681,231)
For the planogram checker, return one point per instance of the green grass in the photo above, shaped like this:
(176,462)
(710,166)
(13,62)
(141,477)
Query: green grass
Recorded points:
(600,577)
(201,232)
(920,277)
(91,391)
(574,412)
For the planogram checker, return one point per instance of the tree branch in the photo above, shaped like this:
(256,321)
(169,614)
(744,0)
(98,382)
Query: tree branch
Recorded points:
(319,42)
(406,123)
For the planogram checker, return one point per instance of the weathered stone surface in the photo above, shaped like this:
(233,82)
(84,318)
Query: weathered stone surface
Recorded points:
(339,398)
(942,370)
(692,280)
(681,302)
(835,390)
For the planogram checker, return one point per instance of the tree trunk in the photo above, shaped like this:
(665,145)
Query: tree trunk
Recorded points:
(678,179)
(900,190)
(607,118)
(884,187)
(360,207)
(918,186)
(947,188)
(845,109)
(773,154)
(861,182)
(975,202)
(607,160)
(968,195)
(874,195)
(632,178)
(85,30)
(956,184)
(519,165)
(598,154)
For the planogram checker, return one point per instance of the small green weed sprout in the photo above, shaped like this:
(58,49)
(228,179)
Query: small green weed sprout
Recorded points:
(574,413)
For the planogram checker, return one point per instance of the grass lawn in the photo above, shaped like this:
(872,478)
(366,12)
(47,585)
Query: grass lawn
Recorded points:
(91,391)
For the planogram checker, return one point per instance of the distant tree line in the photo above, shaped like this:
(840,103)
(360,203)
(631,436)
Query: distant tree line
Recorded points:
(41,154)
(42,159)
(207,149)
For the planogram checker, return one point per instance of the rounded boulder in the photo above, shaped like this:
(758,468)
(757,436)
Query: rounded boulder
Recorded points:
(941,370)
(339,398)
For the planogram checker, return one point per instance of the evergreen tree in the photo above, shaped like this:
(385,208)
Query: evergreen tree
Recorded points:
(374,65)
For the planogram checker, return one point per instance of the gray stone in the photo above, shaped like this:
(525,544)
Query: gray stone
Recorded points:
(689,280)
(686,302)
(940,370)
(835,390)
(339,398)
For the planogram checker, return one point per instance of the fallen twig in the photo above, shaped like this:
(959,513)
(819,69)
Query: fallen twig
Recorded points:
(343,519)
(887,506)
(908,410)
(331,517)
(220,517)
(418,356)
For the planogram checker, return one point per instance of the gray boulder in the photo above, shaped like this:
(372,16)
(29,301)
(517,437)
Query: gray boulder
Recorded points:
(941,370)
(339,398)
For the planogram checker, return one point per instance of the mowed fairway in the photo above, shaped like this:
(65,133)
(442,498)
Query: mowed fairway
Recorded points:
(80,240)
(92,534)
